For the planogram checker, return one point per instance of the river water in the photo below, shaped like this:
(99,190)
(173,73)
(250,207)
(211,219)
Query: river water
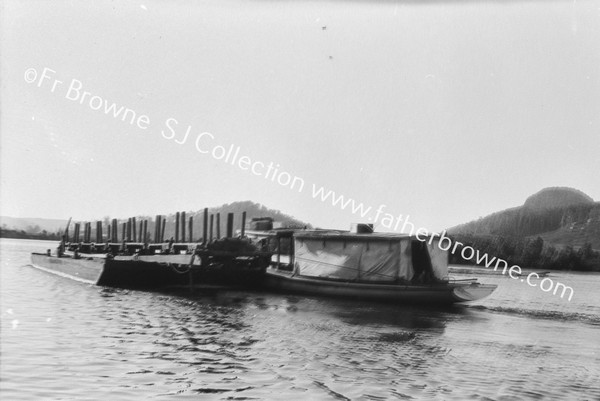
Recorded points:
(62,339)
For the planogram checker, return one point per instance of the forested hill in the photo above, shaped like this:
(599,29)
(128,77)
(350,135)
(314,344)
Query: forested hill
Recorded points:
(553,221)
(560,215)
(252,210)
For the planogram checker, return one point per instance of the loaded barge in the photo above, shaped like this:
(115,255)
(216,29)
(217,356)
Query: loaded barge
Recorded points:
(219,262)
(357,264)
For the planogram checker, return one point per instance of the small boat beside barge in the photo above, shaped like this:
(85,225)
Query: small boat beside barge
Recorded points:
(360,264)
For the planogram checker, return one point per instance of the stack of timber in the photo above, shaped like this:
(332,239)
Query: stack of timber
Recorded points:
(139,260)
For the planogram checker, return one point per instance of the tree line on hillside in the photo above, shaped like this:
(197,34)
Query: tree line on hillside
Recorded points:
(529,252)
(523,221)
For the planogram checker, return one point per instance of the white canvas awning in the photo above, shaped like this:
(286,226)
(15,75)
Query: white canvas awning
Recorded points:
(383,260)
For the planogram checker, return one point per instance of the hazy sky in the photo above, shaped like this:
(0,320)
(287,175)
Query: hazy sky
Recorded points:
(445,111)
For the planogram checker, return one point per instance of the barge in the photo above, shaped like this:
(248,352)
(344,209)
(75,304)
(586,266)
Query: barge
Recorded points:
(208,263)
(203,267)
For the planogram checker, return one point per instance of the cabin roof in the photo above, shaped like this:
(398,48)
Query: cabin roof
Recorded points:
(347,235)
(320,234)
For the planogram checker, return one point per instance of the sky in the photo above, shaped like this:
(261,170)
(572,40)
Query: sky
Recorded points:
(443,111)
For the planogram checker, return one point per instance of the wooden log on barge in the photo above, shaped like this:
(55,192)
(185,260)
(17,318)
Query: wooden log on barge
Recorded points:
(133,228)
(177,227)
(114,231)
(99,238)
(76,233)
(145,231)
(157,227)
(205,226)
(182,215)
(229,225)
(243,230)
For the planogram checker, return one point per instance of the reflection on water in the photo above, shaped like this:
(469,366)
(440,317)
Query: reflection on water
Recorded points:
(75,341)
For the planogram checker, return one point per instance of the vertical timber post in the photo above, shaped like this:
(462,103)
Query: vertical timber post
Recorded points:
(229,225)
(205,226)
(191,228)
(133,229)
(157,226)
(177,227)
(218,225)
(99,232)
(243,224)
(182,226)
(114,231)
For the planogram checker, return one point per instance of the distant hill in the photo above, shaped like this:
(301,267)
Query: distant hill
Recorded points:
(555,198)
(252,210)
(560,219)
(34,226)
(561,216)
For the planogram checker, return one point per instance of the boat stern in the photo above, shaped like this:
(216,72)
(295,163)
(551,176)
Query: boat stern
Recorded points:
(472,292)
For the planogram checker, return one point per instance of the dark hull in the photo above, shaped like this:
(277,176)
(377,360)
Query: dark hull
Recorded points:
(149,272)
(402,294)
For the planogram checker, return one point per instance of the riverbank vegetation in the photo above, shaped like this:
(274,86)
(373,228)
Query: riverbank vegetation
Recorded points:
(530,252)
(22,234)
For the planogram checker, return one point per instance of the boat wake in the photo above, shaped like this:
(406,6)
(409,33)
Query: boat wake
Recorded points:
(541,314)
(61,274)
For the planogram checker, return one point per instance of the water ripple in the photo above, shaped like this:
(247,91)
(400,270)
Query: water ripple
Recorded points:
(75,341)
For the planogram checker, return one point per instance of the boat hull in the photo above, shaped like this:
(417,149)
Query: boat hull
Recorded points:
(148,272)
(404,294)
(109,272)
(86,270)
